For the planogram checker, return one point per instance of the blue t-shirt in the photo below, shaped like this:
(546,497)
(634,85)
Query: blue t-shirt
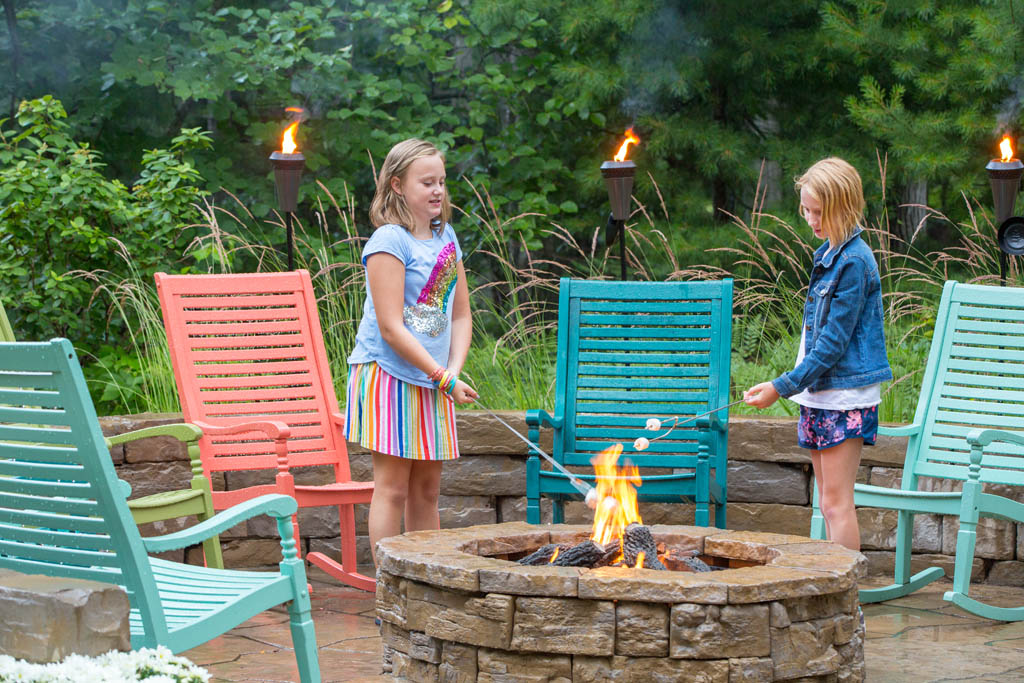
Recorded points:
(430,275)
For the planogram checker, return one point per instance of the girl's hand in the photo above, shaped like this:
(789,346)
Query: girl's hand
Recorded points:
(463,393)
(761,395)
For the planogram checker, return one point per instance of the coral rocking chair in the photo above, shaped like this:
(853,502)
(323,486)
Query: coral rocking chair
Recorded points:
(251,370)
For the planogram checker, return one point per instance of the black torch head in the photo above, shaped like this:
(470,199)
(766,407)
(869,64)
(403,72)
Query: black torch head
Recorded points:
(618,176)
(1004,177)
(287,174)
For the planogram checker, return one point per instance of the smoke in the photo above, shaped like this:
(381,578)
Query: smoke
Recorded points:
(656,46)
(1009,108)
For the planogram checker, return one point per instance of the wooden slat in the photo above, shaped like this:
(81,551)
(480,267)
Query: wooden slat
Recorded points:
(696,358)
(204,358)
(646,382)
(634,334)
(231,330)
(94,573)
(981,395)
(642,345)
(247,343)
(85,507)
(640,370)
(986,353)
(48,520)
(30,397)
(57,538)
(37,452)
(1003,313)
(42,488)
(650,320)
(59,555)
(247,314)
(978,339)
(266,381)
(43,471)
(979,380)
(649,409)
(967,407)
(215,370)
(629,306)
(32,376)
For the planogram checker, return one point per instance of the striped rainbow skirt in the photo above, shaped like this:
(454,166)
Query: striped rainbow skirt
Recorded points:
(386,415)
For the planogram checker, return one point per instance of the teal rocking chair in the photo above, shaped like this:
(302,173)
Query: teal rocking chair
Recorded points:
(971,393)
(63,513)
(629,351)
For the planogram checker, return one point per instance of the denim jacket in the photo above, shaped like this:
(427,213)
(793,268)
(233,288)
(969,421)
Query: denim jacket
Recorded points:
(845,342)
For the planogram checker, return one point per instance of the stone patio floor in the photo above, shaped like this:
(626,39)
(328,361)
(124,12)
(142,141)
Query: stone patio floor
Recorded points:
(918,638)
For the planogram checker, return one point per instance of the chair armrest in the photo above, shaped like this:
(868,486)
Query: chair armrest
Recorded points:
(905,430)
(338,419)
(183,432)
(714,423)
(273,504)
(275,429)
(983,437)
(539,418)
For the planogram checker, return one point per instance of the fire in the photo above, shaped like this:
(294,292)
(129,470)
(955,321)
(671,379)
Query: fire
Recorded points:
(616,489)
(630,137)
(1006,149)
(640,560)
(553,556)
(288,145)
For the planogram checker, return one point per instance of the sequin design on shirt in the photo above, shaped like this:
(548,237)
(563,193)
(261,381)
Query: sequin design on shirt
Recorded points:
(428,316)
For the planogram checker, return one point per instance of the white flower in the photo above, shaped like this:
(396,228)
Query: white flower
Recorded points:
(641,444)
(653,424)
(158,665)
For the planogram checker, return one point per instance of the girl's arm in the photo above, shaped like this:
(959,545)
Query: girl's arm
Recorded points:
(462,323)
(387,287)
(386,276)
(844,312)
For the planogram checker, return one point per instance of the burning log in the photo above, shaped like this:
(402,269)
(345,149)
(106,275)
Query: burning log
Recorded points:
(637,539)
(543,554)
(586,554)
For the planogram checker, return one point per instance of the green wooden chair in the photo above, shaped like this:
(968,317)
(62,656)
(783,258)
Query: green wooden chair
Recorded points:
(973,387)
(63,513)
(194,501)
(628,351)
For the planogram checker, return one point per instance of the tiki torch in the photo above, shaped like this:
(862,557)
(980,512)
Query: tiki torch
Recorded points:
(288,164)
(618,176)
(1004,175)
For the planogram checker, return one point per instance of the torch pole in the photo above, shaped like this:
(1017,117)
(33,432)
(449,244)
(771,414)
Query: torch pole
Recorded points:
(622,251)
(291,247)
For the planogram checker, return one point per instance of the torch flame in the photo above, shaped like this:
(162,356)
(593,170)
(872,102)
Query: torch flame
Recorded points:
(630,137)
(616,489)
(288,145)
(1006,149)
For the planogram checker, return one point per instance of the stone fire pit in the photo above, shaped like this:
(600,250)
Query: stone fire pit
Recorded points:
(454,606)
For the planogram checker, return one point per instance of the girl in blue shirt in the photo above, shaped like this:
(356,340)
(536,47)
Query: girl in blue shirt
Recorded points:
(412,342)
(841,360)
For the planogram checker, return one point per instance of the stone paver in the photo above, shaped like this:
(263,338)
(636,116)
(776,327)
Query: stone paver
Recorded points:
(919,638)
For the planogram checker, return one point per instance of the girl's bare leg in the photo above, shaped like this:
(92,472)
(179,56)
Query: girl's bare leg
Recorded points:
(816,468)
(838,466)
(424,488)
(391,476)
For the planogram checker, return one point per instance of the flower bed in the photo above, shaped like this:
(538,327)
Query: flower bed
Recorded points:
(158,665)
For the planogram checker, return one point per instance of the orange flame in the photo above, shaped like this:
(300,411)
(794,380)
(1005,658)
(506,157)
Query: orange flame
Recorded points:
(1006,149)
(630,137)
(640,560)
(288,145)
(616,489)
(553,555)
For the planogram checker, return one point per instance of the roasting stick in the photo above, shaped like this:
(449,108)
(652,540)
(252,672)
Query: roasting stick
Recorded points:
(588,491)
(697,417)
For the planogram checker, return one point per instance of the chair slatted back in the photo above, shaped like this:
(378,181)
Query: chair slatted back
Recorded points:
(974,379)
(631,351)
(62,509)
(247,348)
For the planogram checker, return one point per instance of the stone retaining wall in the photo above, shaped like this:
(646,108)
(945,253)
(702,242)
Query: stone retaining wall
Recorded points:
(769,490)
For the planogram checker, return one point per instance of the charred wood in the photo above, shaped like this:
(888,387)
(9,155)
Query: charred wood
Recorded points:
(637,539)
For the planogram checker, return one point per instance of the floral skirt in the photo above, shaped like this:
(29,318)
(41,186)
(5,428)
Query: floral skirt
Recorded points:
(819,428)
(386,415)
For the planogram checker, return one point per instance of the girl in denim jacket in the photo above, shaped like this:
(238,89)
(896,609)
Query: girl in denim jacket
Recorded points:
(841,361)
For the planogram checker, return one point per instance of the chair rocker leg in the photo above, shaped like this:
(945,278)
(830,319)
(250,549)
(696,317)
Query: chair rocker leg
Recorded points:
(346,570)
(973,606)
(898,590)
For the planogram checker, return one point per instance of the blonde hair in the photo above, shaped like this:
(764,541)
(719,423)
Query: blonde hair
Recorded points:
(836,184)
(388,206)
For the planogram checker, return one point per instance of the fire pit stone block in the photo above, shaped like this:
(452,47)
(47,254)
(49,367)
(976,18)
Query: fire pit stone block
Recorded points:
(780,607)
(641,629)
(712,631)
(564,625)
